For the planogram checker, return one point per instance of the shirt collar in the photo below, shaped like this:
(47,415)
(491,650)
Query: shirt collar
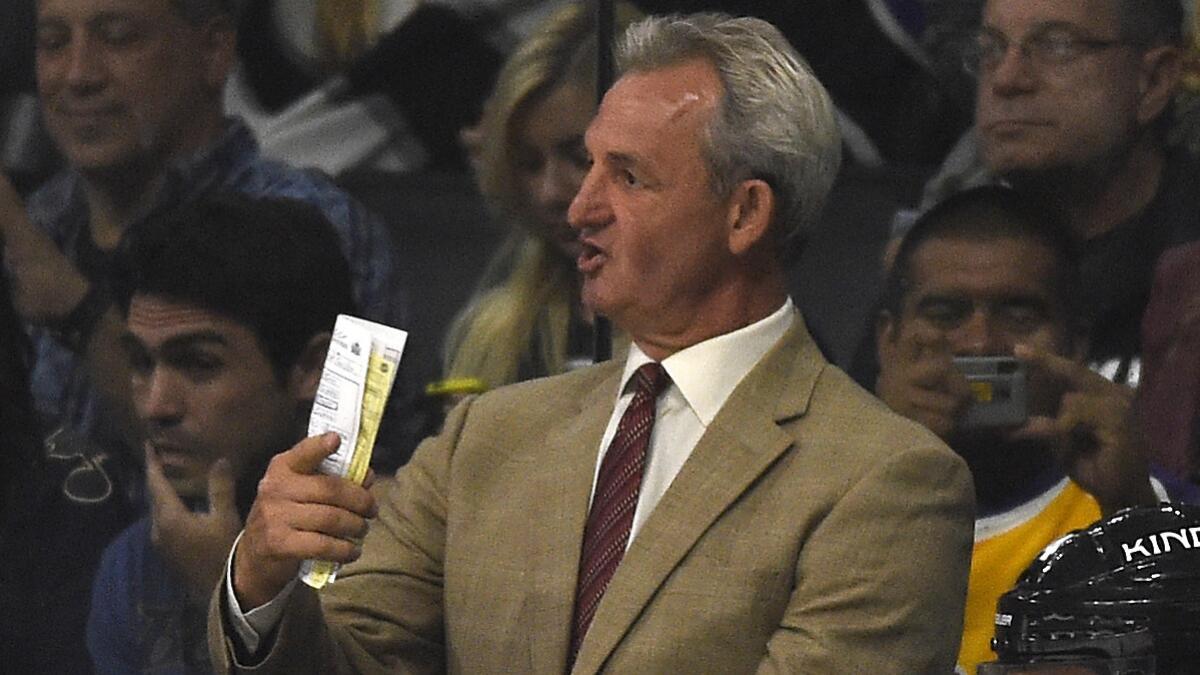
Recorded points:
(707,372)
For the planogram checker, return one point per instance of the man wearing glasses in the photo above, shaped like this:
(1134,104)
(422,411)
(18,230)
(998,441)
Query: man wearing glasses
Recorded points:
(1075,106)
(1073,102)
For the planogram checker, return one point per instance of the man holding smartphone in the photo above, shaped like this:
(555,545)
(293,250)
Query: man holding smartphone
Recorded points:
(981,340)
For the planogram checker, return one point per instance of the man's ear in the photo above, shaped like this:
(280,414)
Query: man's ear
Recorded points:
(885,336)
(305,374)
(751,210)
(1161,71)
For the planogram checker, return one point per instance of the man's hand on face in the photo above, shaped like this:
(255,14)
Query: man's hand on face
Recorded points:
(917,379)
(299,515)
(1095,435)
(196,545)
(45,285)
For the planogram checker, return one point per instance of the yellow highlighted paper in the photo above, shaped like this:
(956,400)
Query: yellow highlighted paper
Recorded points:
(356,381)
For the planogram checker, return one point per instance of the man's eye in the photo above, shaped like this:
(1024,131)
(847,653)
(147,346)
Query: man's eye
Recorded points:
(140,364)
(991,47)
(52,38)
(1022,318)
(199,367)
(629,179)
(1055,45)
(119,33)
(944,314)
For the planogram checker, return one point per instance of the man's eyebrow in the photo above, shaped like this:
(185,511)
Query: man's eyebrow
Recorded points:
(939,296)
(621,159)
(178,342)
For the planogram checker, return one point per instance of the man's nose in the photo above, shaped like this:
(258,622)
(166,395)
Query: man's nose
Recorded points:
(980,336)
(1013,74)
(161,399)
(590,207)
(84,66)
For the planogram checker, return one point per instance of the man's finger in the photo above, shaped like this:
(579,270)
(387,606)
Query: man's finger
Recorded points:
(163,498)
(222,493)
(1061,368)
(306,456)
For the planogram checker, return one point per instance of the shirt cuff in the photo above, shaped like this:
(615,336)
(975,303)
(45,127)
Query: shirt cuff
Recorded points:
(249,627)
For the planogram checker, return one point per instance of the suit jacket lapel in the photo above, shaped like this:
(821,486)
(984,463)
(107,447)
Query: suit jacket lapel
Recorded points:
(741,443)
(561,487)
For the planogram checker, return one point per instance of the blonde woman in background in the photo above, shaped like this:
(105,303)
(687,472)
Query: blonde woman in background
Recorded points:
(525,320)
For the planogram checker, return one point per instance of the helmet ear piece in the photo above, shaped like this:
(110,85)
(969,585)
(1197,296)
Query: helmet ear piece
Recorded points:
(1127,586)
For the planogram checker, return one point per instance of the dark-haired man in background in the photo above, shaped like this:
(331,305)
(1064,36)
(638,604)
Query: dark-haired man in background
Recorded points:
(990,273)
(229,306)
(131,92)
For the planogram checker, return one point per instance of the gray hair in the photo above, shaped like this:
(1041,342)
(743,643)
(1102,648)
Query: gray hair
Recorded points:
(776,121)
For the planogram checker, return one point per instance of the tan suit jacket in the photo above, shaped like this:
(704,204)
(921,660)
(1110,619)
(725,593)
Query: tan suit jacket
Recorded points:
(810,531)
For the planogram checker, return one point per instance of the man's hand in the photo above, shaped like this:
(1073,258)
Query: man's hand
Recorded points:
(298,515)
(917,379)
(45,285)
(196,545)
(1095,435)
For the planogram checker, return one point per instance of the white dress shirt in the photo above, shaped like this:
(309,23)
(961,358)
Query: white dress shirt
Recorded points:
(703,377)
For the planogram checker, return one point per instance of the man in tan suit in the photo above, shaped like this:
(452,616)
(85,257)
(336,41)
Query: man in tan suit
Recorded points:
(779,520)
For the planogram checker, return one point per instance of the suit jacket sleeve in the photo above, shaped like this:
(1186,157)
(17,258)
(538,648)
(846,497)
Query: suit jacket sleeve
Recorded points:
(385,612)
(899,543)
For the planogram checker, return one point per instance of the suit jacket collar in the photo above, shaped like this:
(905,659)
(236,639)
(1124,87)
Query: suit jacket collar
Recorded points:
(744,440)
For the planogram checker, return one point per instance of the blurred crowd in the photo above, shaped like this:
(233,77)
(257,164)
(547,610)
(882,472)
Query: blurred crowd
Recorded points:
(194,189)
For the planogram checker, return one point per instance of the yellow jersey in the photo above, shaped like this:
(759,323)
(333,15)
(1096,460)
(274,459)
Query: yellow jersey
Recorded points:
(1005,544)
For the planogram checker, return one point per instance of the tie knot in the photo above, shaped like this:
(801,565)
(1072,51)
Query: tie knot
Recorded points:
(651,379)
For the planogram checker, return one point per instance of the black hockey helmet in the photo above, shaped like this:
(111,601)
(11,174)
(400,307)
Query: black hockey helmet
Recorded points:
(1118,595)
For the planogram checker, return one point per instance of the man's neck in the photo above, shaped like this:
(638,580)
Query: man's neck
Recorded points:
(1006,473)
(1098,201)
(735,306)
(117,195)
(114,198)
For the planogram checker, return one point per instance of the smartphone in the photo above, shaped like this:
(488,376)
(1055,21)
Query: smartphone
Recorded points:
(999,390)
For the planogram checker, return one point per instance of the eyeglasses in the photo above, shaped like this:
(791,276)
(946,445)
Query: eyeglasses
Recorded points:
(1045,47)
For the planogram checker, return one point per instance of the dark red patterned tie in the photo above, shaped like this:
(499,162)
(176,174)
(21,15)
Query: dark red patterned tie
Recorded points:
(617,487)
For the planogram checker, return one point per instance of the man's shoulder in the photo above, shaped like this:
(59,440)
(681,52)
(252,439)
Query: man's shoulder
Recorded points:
(262,177)
(554,390)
